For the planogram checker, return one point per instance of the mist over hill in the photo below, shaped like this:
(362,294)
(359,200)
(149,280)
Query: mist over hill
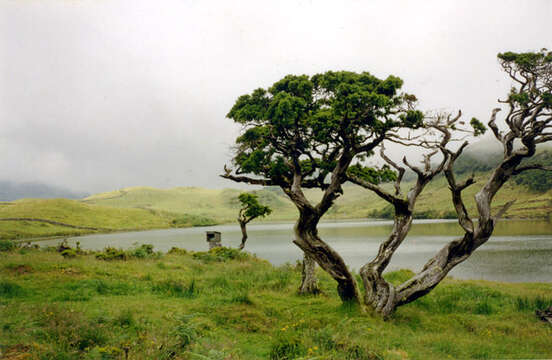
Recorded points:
(10,190)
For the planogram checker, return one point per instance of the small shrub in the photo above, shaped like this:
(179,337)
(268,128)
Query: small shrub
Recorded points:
(62,246)
(144,251)
(69,253)
(111,253)
(220,254)
(177,251)
(7,245)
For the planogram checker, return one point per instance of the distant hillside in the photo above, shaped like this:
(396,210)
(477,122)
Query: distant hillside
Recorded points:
(222,205)
(219,205)
(10,190)
(60,217)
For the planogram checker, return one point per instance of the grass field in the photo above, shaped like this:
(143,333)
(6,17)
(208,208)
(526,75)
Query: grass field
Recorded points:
(210,306)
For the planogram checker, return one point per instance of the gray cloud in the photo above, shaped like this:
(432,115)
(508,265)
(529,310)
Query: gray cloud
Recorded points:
(98,95)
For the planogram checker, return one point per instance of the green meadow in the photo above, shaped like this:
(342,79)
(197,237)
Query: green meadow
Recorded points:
(224,304)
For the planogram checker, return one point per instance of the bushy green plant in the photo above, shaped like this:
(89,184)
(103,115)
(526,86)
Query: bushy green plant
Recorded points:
(111,253)
(141,252)
(177,251)
(7,245)
(69,253)
(220,254)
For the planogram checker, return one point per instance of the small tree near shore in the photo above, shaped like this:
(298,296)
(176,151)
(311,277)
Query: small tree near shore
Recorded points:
(250,210)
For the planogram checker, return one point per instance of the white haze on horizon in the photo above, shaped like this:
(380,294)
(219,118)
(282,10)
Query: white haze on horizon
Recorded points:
(98,95)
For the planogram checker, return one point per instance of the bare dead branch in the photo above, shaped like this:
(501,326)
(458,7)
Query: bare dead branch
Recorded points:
(248,180)
(521,169)
(401,170)
(385,195)
(493,126)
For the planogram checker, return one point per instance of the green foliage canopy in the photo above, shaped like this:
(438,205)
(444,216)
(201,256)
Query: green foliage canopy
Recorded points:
(251,208)
(303,125)
(532,71)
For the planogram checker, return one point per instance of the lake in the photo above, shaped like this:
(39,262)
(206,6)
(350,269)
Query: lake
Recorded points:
(519,251)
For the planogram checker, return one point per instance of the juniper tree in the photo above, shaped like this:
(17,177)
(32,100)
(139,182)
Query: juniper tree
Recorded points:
(527,123)
(304,132)
(250,210)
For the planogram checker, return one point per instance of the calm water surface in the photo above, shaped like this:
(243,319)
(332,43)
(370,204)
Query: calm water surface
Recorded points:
(519,251)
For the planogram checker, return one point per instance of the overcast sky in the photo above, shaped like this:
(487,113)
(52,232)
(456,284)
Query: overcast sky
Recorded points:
(103,94)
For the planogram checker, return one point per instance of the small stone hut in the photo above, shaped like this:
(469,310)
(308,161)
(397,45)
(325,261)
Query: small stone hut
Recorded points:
(214,239)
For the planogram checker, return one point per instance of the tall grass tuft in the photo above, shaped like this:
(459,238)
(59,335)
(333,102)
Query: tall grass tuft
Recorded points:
(241,298)
(287,346)
(532,304)
(176,288)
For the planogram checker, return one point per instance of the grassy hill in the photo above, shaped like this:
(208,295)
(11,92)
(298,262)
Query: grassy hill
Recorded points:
(71,217)
(221,205)
(206,306)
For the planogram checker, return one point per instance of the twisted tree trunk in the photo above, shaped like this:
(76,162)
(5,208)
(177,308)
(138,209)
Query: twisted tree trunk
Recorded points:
(244,233)
(457,251)
(379,294)
(308,240)
(309,281)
